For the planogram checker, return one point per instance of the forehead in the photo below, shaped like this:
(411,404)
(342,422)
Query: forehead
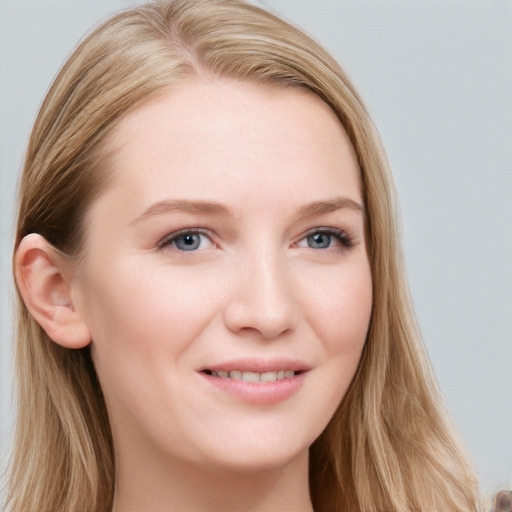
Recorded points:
(220,139)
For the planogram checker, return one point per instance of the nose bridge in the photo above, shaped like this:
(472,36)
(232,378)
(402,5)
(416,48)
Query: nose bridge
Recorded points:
(262,297)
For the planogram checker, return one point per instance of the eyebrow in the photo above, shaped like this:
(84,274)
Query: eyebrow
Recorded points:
(186,206)
(313,209)
(318,208)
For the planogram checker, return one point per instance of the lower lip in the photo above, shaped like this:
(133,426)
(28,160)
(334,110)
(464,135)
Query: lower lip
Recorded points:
(258,393)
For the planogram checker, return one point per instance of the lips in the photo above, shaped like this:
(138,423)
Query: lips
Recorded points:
(257,365)
(257,381)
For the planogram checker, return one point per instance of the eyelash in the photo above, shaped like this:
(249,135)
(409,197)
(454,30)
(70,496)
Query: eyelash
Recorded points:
(341,236)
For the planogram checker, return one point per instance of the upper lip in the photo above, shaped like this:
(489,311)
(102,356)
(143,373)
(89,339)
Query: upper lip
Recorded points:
(258,365)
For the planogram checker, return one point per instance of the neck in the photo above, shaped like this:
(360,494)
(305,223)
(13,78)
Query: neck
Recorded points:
(178,485)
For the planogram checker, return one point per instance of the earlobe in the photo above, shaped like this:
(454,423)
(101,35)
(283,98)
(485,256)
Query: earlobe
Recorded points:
(42,276)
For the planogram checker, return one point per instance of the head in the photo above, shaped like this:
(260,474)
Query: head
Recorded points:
(132,60)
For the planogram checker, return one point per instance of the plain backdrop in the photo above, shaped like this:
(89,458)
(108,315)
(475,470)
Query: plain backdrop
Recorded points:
(437,78)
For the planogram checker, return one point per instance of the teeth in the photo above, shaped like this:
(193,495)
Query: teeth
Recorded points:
(254,376)
(251,376)
(268,377)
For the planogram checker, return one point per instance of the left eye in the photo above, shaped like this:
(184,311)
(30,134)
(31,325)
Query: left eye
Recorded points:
(186,241)
(325,239)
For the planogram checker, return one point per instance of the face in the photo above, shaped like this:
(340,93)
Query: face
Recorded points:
(225,279)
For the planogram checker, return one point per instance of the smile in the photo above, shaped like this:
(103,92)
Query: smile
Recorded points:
(248,376)
(255,381)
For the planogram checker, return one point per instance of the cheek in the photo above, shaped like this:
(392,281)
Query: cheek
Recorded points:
(339,313)
(339,309)
(137,318)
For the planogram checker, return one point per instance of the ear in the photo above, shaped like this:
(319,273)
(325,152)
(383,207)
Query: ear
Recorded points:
(44,278)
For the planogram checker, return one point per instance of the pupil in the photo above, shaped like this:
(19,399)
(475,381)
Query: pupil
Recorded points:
(189,239)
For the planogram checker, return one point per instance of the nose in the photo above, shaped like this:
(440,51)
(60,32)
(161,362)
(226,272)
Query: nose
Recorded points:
(262,299)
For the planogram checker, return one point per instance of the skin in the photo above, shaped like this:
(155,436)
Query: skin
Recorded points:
(258,286)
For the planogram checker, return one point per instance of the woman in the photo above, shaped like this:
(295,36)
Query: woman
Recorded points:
(271,256)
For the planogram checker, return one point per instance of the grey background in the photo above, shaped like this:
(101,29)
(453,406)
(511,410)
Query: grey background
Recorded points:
(437,78)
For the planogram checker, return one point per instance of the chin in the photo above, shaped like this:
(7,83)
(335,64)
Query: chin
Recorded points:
(273,454)
(264,461)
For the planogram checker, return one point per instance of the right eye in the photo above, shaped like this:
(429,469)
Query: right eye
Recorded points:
(186,240)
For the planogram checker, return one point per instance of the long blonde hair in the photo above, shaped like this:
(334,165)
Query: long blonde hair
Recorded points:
(389,447)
